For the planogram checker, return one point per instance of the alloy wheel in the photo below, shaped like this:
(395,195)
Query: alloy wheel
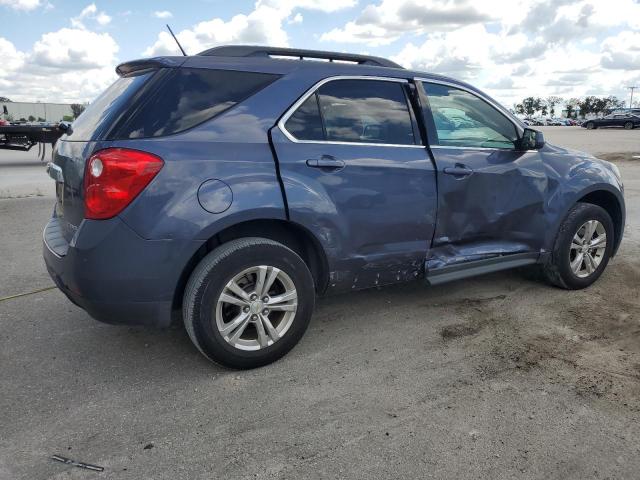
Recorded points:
(256,307)
(588,248)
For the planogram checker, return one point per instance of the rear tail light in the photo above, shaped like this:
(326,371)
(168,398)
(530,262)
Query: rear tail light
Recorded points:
(114,177)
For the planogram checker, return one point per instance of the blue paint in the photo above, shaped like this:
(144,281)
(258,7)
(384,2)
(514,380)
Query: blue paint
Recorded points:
(388,215)
(215,196)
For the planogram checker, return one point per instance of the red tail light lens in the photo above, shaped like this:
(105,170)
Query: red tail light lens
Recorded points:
(114,177)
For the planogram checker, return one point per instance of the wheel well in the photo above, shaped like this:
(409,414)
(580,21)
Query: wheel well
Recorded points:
(609,202)
(294,236)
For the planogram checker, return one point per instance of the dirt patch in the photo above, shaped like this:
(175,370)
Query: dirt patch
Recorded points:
(459,330)
(620,157)
(587,341)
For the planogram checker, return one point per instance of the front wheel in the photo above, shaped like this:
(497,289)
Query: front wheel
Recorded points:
(591,126)
(582,248)
(248,302)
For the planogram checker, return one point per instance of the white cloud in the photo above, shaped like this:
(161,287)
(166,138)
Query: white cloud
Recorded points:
(162,14)
(76,49)
(25,5)
(511,48)
(90,12)
(263,25)
(384,23)
(297,18)
(68,65)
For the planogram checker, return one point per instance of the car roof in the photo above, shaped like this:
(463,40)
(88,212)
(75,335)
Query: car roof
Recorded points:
(370,66)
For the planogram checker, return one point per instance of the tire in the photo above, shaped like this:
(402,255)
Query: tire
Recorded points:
(591,125)
(628,126)
(206,311)
(558,269)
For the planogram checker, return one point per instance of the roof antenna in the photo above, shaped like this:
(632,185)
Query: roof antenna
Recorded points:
(174,37)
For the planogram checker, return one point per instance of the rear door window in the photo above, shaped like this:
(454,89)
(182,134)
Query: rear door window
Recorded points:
(306,123)
(188,97)
(355,111)
(465,120)
(367,111)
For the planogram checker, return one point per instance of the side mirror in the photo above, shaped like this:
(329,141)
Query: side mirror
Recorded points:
(531,140)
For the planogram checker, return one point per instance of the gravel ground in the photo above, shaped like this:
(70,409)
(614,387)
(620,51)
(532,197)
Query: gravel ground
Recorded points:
(497,377)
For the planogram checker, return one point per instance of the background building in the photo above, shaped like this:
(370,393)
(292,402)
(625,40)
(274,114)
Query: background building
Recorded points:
(50,112)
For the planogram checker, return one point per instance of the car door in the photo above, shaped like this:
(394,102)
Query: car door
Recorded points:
(356,174)
(608,121)
(491,196)
(620,120)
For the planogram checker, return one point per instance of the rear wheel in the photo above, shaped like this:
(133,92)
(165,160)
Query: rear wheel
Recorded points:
(628,125)
(591,125)
(248,302)
(582,248)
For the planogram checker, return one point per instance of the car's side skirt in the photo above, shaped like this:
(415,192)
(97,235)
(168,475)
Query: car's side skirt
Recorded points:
(480,267)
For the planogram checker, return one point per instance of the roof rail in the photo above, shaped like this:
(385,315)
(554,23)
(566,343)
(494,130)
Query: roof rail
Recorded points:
(259,51)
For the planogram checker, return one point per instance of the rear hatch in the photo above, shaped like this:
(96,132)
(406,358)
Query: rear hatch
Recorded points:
(152,99)
(73,150)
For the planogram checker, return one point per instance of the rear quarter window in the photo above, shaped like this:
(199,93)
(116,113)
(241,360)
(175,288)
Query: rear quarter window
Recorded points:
(99,116)
(188,97)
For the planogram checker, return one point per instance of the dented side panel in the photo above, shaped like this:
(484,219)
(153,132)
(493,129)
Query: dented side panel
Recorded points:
(498,209)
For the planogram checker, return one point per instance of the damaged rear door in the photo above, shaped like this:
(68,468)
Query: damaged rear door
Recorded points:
(357,175)
(491,195)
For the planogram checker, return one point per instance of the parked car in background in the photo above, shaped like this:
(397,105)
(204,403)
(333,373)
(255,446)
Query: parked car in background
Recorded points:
(227,189)
(624,120)
(627,111)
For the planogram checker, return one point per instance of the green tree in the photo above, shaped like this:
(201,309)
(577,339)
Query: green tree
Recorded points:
(77,109)
(5,99)
(552,101)
(572,107)
(32,118)
(531,105)
(589,105)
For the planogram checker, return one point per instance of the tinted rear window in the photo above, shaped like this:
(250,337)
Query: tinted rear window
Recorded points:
(189,96)
(98,117)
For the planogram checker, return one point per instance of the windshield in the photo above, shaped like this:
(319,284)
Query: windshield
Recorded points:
(97,118)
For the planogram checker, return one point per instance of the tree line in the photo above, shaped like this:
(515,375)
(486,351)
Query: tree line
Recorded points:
(531,106)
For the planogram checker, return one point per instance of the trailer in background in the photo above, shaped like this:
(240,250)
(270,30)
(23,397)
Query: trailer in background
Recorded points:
(25,137)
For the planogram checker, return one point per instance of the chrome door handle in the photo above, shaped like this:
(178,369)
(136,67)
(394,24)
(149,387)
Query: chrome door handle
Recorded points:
(326,161)
(458,171)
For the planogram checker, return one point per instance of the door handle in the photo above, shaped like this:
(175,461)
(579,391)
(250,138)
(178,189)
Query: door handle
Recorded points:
(458,171)
(325,161)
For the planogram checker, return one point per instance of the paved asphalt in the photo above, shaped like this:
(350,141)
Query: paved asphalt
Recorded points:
(497,377)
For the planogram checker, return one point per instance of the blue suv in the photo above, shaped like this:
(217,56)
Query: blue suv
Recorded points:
(229,188)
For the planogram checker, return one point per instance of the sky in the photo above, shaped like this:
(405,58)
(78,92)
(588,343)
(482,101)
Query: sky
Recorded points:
(66,51)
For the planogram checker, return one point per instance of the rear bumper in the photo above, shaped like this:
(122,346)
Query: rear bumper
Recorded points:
(117,276)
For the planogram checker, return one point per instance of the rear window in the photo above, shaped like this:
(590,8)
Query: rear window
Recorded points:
(98,117)
(189,96)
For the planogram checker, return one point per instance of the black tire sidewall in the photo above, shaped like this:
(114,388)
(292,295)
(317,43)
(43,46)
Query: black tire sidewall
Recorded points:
(630,126)
(213,282)
(591,126)
(581,213)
